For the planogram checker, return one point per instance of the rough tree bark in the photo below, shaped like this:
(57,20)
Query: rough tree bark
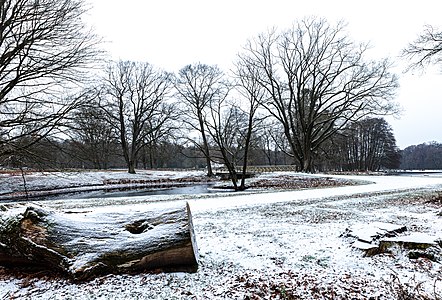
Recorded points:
(85,244)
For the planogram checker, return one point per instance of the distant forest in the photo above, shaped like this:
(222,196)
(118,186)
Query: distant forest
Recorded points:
(427,156)
(367,146)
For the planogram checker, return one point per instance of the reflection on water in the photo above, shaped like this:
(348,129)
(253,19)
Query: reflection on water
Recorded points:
(185,190)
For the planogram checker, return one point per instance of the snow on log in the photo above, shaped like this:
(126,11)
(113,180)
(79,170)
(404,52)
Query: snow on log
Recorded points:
(413,240)
(370,232)
(367,235)
(85,244)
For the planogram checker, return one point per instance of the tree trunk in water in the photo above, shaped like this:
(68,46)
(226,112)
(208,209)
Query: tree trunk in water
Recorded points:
(86,244)
(206,150)
(242,186)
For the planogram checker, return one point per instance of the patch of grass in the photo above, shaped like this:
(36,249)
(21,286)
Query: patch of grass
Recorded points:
(435,198)
(413,289)
(308,258)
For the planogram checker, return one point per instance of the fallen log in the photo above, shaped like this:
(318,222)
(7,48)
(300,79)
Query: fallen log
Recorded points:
(376,238)
(86,244)
(413,241)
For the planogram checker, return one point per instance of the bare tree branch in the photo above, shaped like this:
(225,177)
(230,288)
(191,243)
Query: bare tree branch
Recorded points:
(135,102)
(425,50)
(197,87)
(316,81)
(44,49)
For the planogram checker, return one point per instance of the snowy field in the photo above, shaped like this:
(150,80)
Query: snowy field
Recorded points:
(269,245)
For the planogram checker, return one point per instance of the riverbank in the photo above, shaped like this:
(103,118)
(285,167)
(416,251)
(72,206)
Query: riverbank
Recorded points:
(32,185)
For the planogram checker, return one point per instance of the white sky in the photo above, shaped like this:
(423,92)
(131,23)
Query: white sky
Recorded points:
(173,33)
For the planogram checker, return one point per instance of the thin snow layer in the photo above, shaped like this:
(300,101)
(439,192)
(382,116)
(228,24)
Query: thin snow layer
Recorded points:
(267,245)
(414,237)
(379,184)
(368,232)
(13,182)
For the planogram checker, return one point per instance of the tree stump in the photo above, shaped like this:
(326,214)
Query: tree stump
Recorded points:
(86,244)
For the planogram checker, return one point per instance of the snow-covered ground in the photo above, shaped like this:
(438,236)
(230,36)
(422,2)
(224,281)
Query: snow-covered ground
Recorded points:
(270,245)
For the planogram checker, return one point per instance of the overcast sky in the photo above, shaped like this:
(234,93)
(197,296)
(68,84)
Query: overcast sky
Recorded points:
(173,33)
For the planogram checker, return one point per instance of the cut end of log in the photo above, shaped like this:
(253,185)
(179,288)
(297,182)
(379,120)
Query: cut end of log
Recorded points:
(192,234)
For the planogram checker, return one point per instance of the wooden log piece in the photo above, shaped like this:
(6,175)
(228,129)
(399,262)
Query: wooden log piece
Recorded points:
(86,244)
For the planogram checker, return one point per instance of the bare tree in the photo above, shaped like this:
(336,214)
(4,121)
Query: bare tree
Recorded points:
(154,139)
(227,126)
(135,103)
(197,86)
(94,139)
(254,93)
(425,50)
(370,145)
(272,142)
(316,81)
(44,47)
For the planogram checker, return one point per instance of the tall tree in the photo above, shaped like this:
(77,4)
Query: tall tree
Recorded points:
(370,145)
(94,138)
(254,93)
(425,50)
(227,126)
(316,81)
(44,48)
(198,85)
(135,102)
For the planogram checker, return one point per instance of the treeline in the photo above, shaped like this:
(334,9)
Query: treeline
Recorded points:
(367,145)
(427,156)
(53,154)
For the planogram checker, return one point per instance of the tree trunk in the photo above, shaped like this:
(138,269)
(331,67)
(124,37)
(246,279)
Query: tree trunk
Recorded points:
(209,165)
(205,146)
(86,244)
(131,167)
(242,186)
